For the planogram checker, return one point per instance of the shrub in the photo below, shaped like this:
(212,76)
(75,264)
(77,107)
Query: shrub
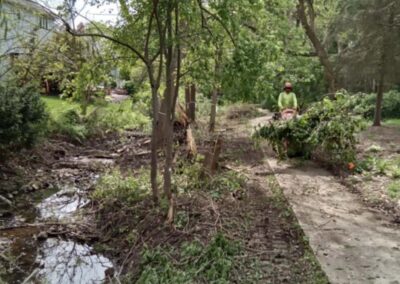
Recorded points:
(99,120)
(394,190)
(328,128)
(113,84)
(130,87)
(270,103)
(364,104)
(188,177)
(22,116)
(127,189)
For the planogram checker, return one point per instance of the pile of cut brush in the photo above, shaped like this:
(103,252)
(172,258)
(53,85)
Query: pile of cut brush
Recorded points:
(326,131)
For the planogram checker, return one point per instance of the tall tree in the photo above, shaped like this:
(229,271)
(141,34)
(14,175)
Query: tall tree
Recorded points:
(307,15)
(371,37)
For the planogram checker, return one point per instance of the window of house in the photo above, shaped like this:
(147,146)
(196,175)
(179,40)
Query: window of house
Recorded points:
(43,23)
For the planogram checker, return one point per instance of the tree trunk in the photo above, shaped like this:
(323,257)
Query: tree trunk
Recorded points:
(213,114)
(387,56)
(154,146)
(187,99)
(190,101)
(192,105)
(379,99)
(329,73)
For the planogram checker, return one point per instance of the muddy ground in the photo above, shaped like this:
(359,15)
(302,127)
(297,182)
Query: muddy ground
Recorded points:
(47,226)
(47,214)
(378,178)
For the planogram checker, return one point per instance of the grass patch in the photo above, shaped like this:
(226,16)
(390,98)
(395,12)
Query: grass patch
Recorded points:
(393,122)
(189,177)
(126,189)
(56,106)
(193,263)
(65,118)
(394,190)
(396,173)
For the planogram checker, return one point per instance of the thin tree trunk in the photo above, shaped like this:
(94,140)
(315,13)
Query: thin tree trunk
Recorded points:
(329,73)
(168,125)
(216,90)
(154,158)
(379,99)
(187,99)
(213,114)
(192,106)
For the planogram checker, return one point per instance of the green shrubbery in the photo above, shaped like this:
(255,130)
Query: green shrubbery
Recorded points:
(100,119)
(22,116)
(198,263)
(188,178)
(364,104)
(327,128)
(127,189)
(130,87)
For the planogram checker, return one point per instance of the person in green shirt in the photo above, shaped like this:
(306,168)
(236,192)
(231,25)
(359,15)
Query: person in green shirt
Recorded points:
(287,99)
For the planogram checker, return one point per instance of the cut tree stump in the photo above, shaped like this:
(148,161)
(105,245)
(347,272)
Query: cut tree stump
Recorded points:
(210,165)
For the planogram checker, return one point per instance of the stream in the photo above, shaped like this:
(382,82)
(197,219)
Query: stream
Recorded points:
(29,255)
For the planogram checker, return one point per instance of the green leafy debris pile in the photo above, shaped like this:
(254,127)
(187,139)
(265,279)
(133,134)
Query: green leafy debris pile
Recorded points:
(326,131)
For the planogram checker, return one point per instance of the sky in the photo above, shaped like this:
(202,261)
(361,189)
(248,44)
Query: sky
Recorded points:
(104,12)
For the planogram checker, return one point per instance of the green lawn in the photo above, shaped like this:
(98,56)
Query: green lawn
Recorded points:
(56,106)
(101,118)
(392,122)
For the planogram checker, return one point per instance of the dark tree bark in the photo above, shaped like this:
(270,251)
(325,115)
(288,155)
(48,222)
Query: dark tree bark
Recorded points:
(190,100)
(187,99)
(379,99)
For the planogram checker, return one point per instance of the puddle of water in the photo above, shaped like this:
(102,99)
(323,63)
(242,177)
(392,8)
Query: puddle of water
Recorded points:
(61,205)
(54,261)
(83,160)
(68,262)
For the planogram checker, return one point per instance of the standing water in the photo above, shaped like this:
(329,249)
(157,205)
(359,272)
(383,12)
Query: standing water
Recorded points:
(26,259)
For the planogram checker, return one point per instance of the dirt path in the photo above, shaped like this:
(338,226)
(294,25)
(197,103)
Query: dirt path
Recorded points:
(352,243)
(271,234)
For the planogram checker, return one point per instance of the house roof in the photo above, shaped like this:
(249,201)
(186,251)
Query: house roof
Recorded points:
(30,5)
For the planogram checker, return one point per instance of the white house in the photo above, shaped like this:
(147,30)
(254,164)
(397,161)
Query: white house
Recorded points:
(23,23)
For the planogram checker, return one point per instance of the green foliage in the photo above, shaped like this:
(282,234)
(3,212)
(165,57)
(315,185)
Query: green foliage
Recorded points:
(22,116)
(130,87)
(189,178)
(90,75)
(328,127)
(379,166)
(197,263)
(364,104)
(248,76)
(396,172)
(394,190)
(65,119)
(126,189)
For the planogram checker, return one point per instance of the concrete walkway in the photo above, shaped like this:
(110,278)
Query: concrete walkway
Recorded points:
(352,243)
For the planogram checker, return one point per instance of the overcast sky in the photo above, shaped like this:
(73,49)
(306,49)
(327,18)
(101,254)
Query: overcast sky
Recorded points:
(103,12)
